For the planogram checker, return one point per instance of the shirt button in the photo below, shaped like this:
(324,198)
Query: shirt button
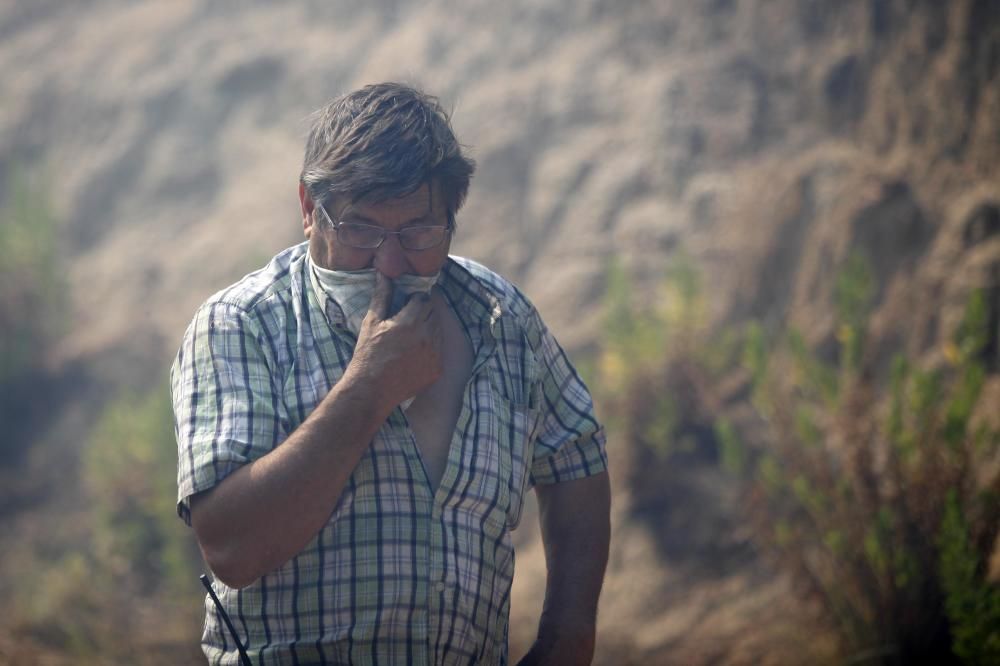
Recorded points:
(439,586)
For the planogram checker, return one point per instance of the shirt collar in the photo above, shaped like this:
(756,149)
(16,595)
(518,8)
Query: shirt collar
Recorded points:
(333,311)
(475,305)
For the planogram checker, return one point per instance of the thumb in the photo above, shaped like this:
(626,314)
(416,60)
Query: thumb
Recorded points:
(381,298)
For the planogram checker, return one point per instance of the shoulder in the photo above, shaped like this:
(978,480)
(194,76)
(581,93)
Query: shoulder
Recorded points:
(273,282)
(261,303)
(510,298)
(515,308)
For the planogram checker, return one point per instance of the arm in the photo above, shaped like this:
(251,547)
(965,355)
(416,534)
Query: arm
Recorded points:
(265,512)
(576,531)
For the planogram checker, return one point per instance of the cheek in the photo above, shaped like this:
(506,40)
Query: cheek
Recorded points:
(317,250)
(349,259)
(327,254)
(430,262)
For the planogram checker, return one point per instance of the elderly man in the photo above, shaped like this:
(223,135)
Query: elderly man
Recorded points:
(359,420)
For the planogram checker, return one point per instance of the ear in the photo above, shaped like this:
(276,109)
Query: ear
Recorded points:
(307,206)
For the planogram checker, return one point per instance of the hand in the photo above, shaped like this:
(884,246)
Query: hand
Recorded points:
(570,648)
(401,354)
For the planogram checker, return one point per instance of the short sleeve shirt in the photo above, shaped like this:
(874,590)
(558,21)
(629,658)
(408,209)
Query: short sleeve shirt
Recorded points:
(401,573)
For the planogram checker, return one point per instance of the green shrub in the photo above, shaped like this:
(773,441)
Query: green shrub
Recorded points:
(638,337)
(870,496)
(129,471)
(973,607)
(129,583)
(853,293)
(31,286)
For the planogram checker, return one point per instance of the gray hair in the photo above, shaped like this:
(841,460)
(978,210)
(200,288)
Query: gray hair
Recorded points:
(382,142)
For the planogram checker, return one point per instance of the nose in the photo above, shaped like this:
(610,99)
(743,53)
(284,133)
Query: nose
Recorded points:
(390,259)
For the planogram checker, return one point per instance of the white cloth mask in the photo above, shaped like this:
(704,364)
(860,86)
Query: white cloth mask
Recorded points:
(352,291)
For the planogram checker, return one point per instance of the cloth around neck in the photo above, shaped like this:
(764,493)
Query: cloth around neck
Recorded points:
(352,291)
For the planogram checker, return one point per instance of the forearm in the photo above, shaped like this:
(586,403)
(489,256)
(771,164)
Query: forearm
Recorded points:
(266,512)
(576,531)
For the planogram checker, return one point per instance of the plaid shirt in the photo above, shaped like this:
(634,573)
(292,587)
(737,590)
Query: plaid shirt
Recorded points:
(399,574)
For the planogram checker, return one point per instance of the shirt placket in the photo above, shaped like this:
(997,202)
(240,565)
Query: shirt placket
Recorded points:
(438,583)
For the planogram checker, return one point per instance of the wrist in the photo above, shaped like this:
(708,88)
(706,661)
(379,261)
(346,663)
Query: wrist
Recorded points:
(560,625)
(571,640)
(360,389)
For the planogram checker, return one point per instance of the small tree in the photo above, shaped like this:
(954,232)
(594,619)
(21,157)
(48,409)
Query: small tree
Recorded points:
(872,504)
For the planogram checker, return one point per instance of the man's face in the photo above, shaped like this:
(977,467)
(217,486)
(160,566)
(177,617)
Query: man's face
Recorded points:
(390,259)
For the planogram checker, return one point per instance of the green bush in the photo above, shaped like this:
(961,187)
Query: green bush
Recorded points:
(873,498)
(129,471)
(639,335)
(114,580)
(31,286)
(131,584)
(870,495)
(973,608)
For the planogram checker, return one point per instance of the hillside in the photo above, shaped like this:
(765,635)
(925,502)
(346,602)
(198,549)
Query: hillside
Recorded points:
(765,140)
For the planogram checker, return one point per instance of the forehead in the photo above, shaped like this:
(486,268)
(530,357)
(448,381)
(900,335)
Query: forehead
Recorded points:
(418,204)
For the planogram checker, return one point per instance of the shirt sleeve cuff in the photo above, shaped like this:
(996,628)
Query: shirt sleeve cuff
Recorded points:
(573,460)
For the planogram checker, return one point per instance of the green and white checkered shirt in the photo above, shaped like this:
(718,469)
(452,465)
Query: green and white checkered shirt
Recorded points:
(399,574)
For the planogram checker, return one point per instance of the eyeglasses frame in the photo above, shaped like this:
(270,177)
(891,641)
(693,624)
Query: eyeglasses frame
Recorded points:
(336,224)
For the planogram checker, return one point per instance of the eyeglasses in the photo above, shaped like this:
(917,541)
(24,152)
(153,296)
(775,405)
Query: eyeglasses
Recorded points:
(370,237)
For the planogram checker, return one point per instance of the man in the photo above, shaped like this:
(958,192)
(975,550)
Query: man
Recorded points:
(358,422)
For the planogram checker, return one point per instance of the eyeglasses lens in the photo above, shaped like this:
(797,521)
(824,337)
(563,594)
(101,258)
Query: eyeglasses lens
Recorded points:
(365,236)
(359,235)
(421,238)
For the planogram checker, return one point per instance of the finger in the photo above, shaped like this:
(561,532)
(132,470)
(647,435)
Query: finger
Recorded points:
(382,297)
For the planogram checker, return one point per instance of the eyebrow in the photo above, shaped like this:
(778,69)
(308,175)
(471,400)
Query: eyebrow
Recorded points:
(354,216)
(358,217)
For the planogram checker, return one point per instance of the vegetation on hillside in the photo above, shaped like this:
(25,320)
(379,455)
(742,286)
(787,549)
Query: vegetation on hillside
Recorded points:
(130,588)
(131,583)
(31,284)
(878,499)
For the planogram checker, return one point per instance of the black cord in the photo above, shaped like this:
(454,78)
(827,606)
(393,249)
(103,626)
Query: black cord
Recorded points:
(225,618)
